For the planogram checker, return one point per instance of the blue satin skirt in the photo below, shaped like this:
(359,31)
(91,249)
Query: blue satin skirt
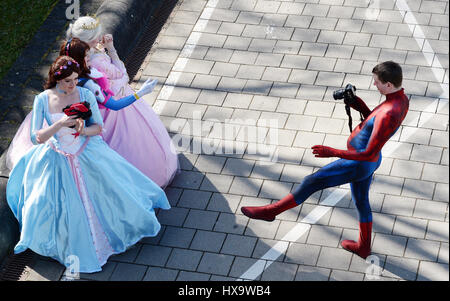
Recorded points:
(90,205)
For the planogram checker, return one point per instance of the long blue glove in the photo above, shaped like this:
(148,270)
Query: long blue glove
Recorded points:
(117,104)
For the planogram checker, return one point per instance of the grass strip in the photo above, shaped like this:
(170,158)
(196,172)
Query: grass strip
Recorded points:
(19,21)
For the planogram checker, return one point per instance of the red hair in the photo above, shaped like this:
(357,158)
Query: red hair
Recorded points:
(61,68)
(76,49)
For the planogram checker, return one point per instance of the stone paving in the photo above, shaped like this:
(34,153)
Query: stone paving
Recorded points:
(245,90)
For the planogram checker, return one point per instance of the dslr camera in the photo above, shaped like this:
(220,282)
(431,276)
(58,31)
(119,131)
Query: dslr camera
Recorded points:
(346,94)
(349,97)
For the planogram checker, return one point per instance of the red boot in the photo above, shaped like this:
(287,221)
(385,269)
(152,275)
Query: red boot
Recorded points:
(362,247)
(269,212)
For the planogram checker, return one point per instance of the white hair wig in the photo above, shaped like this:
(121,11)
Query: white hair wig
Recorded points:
(85,28)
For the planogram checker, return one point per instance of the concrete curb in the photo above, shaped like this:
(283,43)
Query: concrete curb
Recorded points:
(123,19)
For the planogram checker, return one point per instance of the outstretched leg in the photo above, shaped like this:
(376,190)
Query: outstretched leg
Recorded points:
(360,195)
(334,174)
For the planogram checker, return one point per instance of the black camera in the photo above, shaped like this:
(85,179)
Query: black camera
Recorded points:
(346,94)
(349,97)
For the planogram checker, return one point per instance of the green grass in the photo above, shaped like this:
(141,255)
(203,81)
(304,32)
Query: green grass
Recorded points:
(19,21)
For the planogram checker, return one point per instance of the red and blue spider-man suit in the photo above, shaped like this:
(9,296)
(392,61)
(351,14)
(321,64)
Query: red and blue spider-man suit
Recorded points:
(356,166)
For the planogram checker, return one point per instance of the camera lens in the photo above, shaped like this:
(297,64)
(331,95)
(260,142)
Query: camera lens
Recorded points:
(338,94)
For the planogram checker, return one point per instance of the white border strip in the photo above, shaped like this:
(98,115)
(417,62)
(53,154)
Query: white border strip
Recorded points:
(427,50)
(186,52)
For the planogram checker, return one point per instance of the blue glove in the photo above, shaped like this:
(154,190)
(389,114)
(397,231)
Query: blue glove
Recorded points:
(117,104)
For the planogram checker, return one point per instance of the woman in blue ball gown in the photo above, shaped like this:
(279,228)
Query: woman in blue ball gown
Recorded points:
(71,194)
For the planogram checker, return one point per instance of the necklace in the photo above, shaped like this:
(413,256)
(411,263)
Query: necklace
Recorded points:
(60,90)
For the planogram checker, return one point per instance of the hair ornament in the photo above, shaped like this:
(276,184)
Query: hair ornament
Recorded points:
(68,46)
(64,67)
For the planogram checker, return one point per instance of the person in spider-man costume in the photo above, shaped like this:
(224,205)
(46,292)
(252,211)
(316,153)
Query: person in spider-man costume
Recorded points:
(358,162)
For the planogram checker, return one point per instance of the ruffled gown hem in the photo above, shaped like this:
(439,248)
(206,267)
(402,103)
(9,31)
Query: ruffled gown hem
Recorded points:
(25,247)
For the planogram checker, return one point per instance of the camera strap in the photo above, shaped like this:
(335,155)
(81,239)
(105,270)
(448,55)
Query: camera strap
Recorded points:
(350,120)
(347,110)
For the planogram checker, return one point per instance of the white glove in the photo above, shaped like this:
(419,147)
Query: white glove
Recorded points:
(147,87)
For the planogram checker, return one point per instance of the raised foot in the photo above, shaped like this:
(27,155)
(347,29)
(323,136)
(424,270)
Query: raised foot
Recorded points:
(258,213)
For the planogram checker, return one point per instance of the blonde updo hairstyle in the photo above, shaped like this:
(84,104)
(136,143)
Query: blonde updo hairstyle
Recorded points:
(85,28)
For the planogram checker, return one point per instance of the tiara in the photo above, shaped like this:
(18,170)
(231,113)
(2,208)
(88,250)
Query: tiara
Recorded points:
(92,25)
